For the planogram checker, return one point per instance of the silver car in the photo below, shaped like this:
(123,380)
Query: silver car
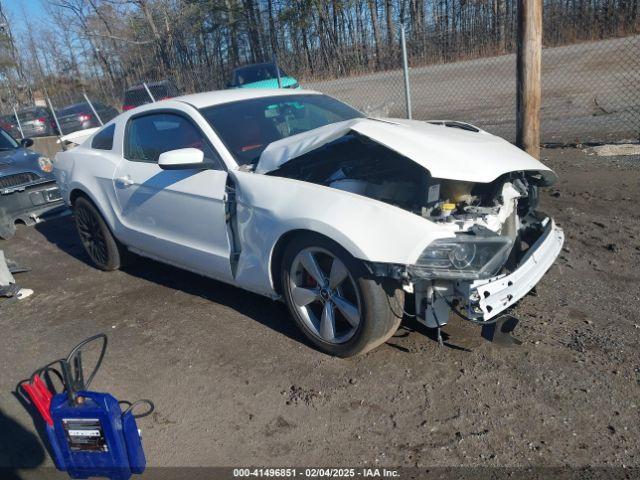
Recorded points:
(37,122)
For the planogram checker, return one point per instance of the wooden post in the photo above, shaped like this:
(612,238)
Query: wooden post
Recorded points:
(529,61)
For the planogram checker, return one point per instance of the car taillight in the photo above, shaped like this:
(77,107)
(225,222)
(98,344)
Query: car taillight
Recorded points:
(41,120)
(127,107)
(85,117)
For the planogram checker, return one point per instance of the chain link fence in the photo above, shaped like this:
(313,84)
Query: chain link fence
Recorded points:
(590,88)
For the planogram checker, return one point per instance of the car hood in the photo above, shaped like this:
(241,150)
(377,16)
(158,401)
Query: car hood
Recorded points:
(21,160)
(446,152)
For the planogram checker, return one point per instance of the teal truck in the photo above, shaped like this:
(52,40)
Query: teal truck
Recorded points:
(261,75)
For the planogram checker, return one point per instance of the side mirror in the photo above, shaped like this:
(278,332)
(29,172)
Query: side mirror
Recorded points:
(181,159)
(26,142)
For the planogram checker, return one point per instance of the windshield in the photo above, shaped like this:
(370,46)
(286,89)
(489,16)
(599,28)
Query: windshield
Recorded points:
(248,126)
(33,114)
(256,73)
(6,141)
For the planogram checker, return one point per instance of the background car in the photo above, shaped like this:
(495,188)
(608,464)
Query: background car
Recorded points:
(137,95)
(27,185)
(80,116)
(9,124)
(37,122)
(261,75)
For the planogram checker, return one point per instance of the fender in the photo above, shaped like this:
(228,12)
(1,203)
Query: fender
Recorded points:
(269,207)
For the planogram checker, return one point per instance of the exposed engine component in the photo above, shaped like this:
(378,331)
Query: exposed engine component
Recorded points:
(355,164)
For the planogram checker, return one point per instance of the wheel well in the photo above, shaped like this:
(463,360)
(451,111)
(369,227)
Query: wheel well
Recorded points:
(78,193)
(278,253)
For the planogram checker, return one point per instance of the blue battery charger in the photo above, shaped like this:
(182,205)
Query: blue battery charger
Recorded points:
(89,433)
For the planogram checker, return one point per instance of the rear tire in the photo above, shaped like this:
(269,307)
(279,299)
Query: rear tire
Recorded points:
(105,251)
(325,310)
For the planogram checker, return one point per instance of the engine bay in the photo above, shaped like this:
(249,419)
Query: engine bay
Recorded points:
(356,164)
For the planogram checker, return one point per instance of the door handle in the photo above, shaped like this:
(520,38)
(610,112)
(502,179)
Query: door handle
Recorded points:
(124,181)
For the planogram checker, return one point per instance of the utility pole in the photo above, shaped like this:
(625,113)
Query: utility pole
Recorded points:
(529,61)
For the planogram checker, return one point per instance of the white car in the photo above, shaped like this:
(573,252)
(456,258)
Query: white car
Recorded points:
(350,220)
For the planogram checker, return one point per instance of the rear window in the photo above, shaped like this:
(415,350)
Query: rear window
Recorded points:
(28,115)
(256,73)
(74,109)
(104,138)
(139,96)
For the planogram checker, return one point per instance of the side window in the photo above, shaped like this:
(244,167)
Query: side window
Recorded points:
(150,135)
(104,138)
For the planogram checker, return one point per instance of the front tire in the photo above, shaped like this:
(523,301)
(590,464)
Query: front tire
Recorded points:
(105,251)
(338,307)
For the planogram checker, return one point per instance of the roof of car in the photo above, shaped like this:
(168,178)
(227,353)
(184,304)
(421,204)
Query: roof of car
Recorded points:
(218,97)
(140,86)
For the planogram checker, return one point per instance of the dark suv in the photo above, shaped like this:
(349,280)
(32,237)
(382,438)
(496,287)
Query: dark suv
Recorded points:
(138,95)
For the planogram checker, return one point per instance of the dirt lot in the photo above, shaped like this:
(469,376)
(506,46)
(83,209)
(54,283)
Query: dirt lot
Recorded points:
(234,384)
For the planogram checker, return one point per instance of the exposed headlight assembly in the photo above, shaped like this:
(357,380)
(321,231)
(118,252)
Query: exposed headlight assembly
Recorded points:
(463,257)
(45,164)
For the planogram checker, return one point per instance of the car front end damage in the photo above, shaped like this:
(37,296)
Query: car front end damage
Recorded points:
(483,300)
(500,249)
(477,193)
(26,196)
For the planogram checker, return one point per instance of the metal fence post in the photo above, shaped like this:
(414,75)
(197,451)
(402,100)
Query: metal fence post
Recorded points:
(18,120)
(275,62)
(55,117)
(95,112)
(148,92)
(405,70)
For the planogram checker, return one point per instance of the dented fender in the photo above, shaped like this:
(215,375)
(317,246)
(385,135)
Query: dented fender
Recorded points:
(269,207)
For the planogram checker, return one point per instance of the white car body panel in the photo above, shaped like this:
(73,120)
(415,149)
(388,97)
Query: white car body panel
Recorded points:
(448,153)
(269,207)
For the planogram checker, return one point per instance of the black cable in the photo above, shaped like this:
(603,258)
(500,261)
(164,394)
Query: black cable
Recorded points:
(140,402)
(404,312)
(75,351)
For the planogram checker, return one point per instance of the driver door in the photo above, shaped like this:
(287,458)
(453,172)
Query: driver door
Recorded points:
(176,216)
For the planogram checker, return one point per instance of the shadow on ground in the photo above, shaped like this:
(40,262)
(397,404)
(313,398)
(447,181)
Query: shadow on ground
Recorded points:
(20,449)
(62,233)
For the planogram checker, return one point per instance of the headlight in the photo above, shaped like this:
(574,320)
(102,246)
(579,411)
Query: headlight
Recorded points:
(466,256)
(45,164)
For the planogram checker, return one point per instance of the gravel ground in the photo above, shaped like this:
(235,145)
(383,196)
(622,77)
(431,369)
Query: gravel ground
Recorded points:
(235,385)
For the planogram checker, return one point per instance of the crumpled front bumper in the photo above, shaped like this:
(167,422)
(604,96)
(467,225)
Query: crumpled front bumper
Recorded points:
(487,298)
(27,203)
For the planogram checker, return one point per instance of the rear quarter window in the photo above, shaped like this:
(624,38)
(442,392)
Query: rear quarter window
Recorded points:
(104,138)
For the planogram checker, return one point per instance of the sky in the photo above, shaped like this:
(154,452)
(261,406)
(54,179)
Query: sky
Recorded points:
(16,10)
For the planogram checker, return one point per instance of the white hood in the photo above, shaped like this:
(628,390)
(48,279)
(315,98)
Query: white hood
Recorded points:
(449,153)
(79,136)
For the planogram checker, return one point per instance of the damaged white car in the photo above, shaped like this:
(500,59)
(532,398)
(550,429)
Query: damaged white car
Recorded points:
(351,221)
